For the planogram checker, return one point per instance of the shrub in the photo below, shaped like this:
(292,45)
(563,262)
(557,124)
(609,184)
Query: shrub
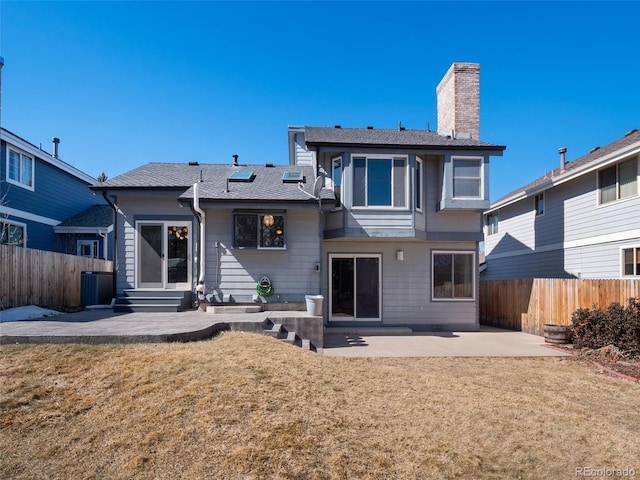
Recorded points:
(618,325)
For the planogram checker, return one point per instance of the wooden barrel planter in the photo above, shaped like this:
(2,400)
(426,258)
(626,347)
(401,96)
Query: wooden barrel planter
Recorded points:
(555,333)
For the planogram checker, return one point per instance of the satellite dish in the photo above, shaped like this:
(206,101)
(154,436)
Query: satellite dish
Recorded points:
(317,186)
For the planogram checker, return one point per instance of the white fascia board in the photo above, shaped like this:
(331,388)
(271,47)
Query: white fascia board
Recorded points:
(597,164)
(91,230)
(14,212)
(27,147)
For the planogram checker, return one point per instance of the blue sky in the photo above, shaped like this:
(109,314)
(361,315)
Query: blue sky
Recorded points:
(126,83)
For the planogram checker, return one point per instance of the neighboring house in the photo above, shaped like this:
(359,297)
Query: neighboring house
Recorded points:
(385,224)
(582,220)
(39,197)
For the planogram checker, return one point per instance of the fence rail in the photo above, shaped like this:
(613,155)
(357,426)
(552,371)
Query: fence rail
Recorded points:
(36,277)
(527,304)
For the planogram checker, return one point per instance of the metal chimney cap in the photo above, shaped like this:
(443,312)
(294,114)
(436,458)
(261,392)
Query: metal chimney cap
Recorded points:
(55,139)
(562,150)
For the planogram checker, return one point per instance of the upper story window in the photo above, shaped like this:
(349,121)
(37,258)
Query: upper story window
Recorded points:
(379,181)
(492,223)
(538,204)
(467,177)
(631,261)
(336,176)
(259,230)
(20,168)
(418,185)
(12,234)
(618,181)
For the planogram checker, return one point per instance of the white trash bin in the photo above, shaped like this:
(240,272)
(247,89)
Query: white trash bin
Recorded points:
(314,304)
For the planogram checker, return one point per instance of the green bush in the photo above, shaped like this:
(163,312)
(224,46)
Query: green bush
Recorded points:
(618,325)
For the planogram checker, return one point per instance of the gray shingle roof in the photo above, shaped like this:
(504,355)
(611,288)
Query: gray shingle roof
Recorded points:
(100,216)
(267,184)
(389,137)
(593,157)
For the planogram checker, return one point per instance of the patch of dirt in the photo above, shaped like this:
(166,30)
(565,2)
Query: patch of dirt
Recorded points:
(611,360)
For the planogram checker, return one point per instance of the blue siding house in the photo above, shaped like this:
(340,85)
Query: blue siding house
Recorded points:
(46,204)
(582,220)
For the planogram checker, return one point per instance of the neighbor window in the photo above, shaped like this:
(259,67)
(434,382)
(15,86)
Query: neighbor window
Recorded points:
(88,248)
(259,230)
(492,223)
(631,261)
(20,169)
(538,204)
(619,181)
(467,178)
(379,182)
(12,234)
(453,275)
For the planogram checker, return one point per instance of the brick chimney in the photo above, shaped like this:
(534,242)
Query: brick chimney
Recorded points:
(459,101)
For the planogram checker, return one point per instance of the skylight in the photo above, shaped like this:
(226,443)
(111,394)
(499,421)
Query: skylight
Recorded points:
(242,176)
(292,177)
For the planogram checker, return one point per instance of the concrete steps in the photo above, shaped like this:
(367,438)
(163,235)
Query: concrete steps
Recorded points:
(153,301)
(233,309)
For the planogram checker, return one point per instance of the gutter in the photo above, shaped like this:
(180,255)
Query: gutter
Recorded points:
(114,268)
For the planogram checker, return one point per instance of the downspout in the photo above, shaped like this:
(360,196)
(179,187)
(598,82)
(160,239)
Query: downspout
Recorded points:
(200,288)
(114,263)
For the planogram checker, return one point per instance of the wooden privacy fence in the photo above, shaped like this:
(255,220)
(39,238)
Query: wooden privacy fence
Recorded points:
(36,277)
(527,304)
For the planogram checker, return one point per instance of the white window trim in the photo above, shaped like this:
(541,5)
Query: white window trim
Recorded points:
(21,153)
(368,157)
(94,248)
(473,279)
(599,203)
(17,224)
(459,157)
(634,248)
(421,192)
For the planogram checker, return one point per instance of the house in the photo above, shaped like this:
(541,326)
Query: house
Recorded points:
(383,223)
(582,220)
(42,200)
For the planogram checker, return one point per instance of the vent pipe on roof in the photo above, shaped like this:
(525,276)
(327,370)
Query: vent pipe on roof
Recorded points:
(235,159)
(562,151)
(55,141)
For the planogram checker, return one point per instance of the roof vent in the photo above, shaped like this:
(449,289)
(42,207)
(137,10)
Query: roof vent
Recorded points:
(55,141)
(400,127)
(235,159)
(269,165)
(193,164)
(594,149)
(631,132)
(369,127)
(337,126)
(562,151)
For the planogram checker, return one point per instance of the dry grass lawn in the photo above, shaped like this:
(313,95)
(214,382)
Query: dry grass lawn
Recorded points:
(242,406)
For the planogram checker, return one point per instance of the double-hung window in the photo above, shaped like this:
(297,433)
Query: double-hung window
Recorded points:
(12,234)
(618,181)
(88,248)
(467,177)
(453,275)
(259,230)
(492,223)
(19,168)
(379,181)
(631,262)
